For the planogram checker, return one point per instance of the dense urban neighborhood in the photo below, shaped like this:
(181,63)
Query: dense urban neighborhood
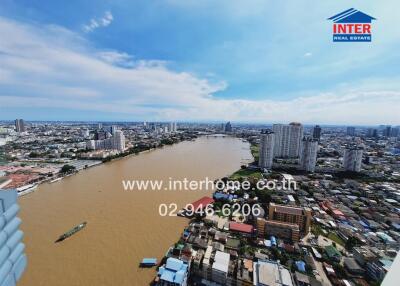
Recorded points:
(339,223)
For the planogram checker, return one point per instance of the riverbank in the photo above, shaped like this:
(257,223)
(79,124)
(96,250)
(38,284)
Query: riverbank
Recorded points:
(51,173)
(123,226)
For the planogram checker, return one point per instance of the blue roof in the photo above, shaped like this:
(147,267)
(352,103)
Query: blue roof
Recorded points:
(161,270)
(149,261)
(174,264)
(167,275)
(229,197)
(179,277)
(351,16)
(301,266)
(175,271)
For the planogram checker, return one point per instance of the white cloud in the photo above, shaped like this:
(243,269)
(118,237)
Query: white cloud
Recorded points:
(95,23)
(308,54)
(50,67)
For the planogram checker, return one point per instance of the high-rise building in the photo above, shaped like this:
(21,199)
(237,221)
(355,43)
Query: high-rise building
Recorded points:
(317,132)
(114,142)
(118,141)
(295,215)
(228,127)
(308,156)
(372,132)
(266,151)
(287,139)
(99,126)
(351,131)
(13,260)
(387,132)
(395,132)
(20,125)
(173,127)
(352,158)
(101,135)
(113,128)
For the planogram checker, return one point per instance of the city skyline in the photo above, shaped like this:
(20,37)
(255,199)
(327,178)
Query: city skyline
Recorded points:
(212,122)
(240,63)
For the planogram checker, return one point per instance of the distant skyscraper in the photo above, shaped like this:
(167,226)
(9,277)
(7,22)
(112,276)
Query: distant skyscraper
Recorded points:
(266,151)
(113,128)
(118,141)
(20,125)
(352,158)
(317,132)
(287,139)
(351,131)
(153,126)
(387,132)
(228,127)
(100,135)
(12,251)
(99,126)
(112,142)
(308,157)
(372,133)
(395,132)
(173,127)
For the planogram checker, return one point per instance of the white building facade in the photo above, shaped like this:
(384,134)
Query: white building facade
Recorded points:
(352,158)
(13,260)
(288,139)
(266,151)
(308,155)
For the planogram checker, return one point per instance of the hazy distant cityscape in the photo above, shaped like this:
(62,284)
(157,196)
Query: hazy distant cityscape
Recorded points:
(341,226)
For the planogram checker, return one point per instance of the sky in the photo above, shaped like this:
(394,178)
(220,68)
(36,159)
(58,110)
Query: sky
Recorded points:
(188,60)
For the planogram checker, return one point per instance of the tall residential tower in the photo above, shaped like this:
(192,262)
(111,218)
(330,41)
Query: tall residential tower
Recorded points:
(12,251)
(20,125)
(352,158)
(266,150)
(287,139)
(308,156)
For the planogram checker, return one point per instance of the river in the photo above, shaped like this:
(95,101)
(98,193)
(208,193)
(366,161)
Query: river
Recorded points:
(123,226)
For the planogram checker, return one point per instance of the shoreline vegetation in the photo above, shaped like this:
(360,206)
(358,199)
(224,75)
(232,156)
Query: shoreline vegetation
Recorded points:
(68,170)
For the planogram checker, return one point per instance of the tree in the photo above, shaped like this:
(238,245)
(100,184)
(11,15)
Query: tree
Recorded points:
(67,169)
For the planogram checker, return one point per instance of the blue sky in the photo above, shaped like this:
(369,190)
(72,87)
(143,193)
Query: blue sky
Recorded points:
(244,61)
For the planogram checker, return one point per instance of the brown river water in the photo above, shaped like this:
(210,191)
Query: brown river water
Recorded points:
(123,226)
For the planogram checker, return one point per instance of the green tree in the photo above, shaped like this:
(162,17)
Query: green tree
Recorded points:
(67,169)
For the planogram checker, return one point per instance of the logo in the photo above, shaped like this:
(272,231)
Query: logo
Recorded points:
(352,26)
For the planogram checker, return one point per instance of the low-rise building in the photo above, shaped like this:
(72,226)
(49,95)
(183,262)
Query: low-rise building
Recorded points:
(271,273)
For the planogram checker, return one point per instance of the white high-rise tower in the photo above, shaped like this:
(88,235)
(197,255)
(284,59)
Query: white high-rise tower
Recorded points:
(352,158)
(266,150)
(118,140)
(287,139)
(308,156)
